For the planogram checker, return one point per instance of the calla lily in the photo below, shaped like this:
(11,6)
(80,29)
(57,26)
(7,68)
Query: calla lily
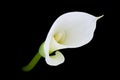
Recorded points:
(70,30)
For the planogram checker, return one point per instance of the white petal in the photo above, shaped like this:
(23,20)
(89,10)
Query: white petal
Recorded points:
(79,28)
(70,30)
(56,59)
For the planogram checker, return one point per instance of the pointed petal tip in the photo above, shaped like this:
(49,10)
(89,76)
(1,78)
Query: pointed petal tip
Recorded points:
(100,17)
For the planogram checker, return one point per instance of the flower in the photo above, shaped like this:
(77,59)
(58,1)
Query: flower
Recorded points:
(70,30)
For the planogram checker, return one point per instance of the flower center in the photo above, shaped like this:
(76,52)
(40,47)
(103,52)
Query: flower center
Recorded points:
(59,37)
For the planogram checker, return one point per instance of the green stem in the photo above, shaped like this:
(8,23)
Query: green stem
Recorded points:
(35,59)
(32,63)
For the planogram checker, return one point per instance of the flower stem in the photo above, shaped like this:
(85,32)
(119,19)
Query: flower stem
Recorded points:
(32,63)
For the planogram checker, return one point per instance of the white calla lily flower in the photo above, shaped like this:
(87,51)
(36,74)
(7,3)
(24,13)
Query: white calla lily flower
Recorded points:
(70,30)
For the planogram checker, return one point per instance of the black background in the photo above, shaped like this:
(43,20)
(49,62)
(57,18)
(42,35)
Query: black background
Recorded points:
(26,27)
